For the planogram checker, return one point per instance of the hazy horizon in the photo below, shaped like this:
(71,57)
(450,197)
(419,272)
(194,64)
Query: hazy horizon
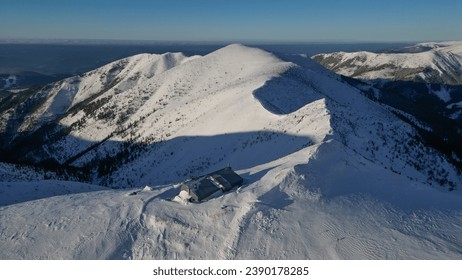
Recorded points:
(74,57)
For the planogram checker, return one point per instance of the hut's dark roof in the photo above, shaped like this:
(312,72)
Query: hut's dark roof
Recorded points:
(232,177)
(204,187)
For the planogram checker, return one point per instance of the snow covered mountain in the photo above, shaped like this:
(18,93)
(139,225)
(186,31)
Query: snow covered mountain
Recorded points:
(421,83)
(436,63)
(328,173)
(428,71)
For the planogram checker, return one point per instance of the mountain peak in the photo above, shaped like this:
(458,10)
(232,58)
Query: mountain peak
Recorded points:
(303,139)
(241,54)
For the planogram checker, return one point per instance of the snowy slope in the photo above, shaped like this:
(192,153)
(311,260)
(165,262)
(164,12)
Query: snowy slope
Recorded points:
(166,117)
(420,83)
(333,206)
(118,76)
(328,173)
(433,63)
(24,173)
(17,192)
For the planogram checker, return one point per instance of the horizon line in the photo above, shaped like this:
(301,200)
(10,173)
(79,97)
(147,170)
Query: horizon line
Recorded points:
(82,41)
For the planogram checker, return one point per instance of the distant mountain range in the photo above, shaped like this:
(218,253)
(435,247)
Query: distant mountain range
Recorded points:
(434,63)
(422,83)
(331,167)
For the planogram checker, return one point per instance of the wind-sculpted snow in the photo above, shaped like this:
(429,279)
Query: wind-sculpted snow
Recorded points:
(328,173)
(333,206)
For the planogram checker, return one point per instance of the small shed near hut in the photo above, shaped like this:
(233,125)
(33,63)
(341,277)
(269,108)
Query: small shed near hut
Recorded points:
(224,179)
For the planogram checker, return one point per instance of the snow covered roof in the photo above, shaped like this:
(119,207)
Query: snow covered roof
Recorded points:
(224,179)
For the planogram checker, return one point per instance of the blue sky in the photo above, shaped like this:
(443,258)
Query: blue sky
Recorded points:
(233,20)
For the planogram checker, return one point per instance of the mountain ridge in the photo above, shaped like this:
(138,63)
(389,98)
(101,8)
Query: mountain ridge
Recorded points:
(154,105)
(438,63)
(328,173)
(421,84)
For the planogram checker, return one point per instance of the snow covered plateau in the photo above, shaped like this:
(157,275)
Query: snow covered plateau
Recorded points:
(95,162)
